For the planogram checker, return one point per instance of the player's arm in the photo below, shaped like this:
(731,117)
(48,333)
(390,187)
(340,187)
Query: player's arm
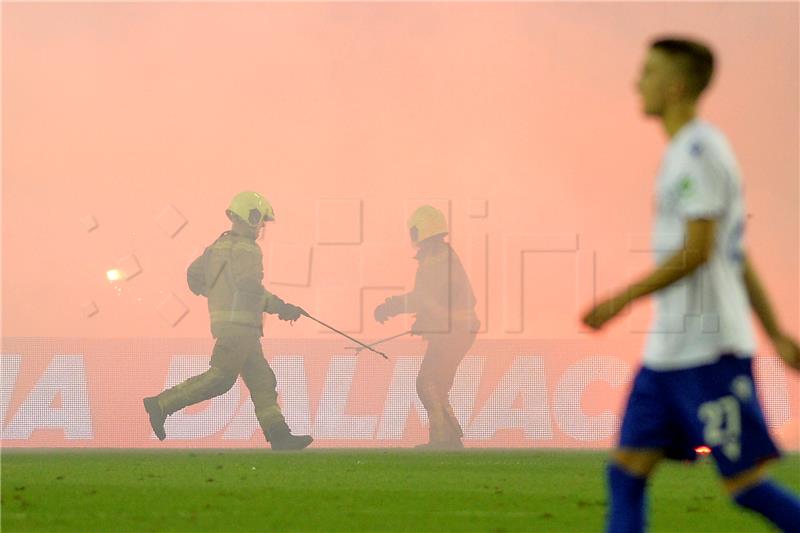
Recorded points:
(759,301)
(697,249)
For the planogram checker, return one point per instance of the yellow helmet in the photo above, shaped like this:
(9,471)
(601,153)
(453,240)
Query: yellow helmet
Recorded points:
(252,208)
(426,222)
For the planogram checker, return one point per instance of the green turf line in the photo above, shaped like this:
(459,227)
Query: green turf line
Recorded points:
(353,490)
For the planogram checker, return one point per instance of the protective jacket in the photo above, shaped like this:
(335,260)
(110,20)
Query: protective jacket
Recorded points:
(230,274)
(442,299)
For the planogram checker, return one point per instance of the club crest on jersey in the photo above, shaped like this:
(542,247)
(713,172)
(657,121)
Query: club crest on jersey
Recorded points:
(685,186)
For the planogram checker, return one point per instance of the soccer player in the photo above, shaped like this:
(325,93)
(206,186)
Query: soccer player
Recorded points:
(696,384)
(444,305)
(229,273)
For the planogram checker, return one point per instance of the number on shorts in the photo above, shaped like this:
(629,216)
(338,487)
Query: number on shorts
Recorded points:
(723,425)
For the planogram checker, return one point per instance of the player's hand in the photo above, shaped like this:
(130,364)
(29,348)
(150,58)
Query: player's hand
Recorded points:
(290,313)
(605,311)
(788,350)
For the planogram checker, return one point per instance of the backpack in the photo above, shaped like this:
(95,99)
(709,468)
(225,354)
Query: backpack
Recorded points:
(196,274)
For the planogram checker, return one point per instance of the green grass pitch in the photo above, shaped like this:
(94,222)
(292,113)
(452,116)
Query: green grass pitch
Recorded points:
(352,490)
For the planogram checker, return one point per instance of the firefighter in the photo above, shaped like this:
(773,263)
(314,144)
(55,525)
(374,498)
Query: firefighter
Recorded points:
(229,273)
(444,305)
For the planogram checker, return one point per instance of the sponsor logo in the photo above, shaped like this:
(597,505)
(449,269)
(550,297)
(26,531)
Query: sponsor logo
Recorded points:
(510,401)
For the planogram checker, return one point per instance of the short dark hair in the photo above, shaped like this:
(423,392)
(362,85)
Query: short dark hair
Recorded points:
(695,58)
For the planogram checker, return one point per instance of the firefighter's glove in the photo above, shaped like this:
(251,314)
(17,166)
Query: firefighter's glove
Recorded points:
(391,307)
(289,312)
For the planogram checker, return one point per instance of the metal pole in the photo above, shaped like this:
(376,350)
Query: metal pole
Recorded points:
(320,322)
(358,349)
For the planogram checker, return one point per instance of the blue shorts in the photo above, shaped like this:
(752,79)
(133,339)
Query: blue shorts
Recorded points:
(713,405)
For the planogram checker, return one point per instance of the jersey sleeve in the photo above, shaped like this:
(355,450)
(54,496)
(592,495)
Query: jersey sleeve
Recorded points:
(701,185)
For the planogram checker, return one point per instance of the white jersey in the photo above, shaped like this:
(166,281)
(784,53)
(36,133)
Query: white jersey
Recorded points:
(707,313)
